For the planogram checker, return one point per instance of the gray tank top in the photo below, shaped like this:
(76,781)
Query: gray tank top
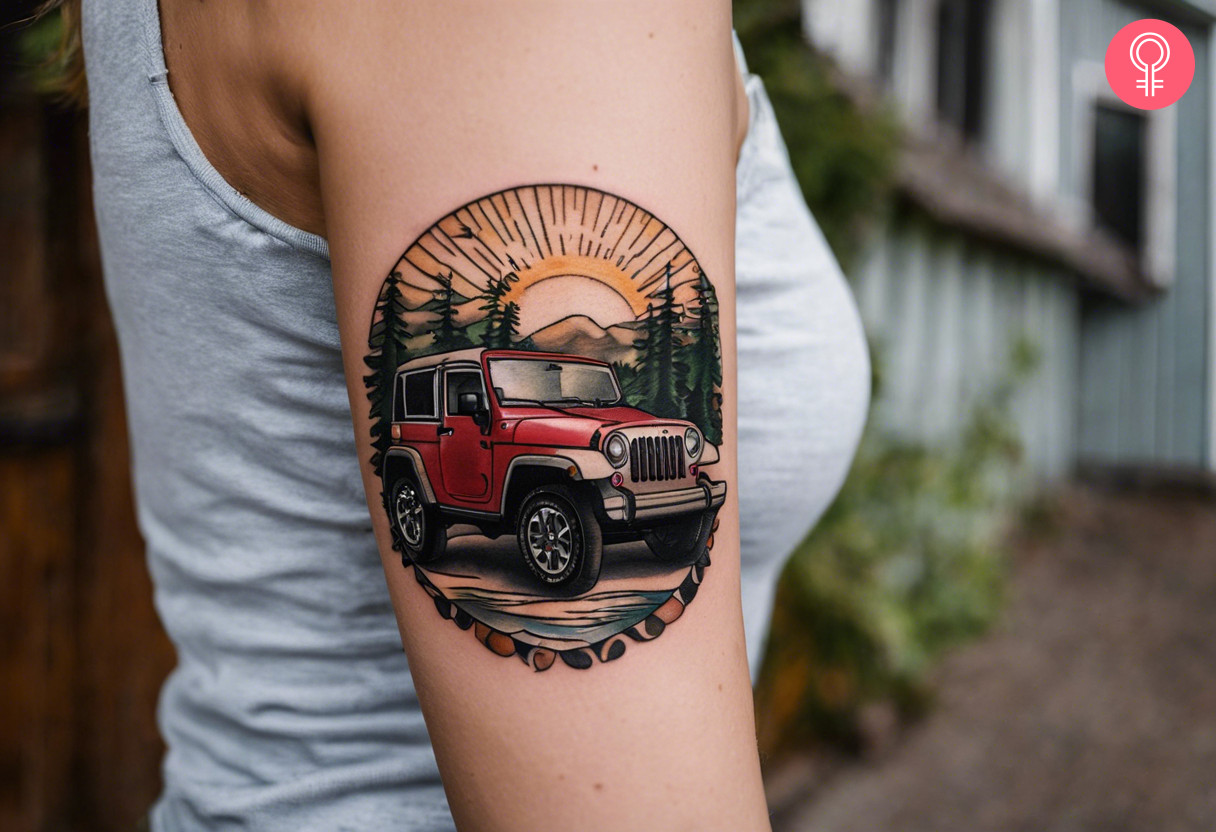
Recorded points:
(292,706)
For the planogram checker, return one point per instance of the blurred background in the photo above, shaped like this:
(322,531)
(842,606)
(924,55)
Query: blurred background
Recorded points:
(1008,619)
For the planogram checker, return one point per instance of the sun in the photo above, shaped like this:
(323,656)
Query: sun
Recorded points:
(591,268)
(547,301)
(548,234)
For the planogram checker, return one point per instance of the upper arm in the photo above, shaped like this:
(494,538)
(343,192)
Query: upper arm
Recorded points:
(528,166)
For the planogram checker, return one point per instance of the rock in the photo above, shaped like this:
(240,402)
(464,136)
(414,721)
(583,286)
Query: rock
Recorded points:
(687,590)
(578,659)
(542,659)
(670,611)
(500,643)
(648,630)
(610,649)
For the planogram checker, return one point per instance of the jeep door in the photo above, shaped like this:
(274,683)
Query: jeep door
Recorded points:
(465,454)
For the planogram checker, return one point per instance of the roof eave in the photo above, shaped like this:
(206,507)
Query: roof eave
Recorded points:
(957,191)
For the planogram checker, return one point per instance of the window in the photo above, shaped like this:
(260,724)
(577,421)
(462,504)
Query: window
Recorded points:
(887,22)
(1119,173)
(415,397)
(540,380)
(962,44)
(462,381)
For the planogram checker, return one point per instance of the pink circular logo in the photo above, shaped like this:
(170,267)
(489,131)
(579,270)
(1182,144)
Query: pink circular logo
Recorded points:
(1150,64)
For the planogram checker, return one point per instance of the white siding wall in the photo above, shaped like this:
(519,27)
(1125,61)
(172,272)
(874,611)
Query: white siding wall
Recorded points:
(1145,397)
(944,315)
(1118,384)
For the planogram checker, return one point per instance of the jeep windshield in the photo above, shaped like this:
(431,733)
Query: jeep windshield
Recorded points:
(553,383)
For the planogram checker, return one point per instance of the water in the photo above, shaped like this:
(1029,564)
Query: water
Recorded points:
(585,620)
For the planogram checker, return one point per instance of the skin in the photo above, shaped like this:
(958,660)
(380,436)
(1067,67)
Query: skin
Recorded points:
(369,125)
(242,92)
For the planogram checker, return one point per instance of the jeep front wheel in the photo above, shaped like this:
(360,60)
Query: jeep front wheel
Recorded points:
(681,541)
(416,529)
(560,540)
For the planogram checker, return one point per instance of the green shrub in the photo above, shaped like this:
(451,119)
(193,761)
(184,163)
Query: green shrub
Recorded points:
(909,561)
(39,61)
(844,156)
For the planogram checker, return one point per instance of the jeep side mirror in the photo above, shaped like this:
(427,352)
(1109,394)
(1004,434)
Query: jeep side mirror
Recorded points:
(469,404)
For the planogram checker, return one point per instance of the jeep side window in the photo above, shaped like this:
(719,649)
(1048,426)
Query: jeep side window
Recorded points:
(399,399)
(462,381)
(418,394)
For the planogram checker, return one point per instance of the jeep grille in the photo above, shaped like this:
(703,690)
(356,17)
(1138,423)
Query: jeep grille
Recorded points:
(656,458)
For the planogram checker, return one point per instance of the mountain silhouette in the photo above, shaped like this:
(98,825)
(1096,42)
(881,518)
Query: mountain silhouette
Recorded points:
(579,335)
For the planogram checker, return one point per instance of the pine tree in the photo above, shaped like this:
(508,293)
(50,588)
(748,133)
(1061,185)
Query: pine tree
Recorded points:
(493,305)
(641,382)
(627,377)
(508,327)
(704,361)
(387,350)
(447,334)
(500,326)
(660,368)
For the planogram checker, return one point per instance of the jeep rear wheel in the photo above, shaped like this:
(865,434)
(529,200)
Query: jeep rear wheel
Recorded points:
(681,541)
(416,527)
(560,540)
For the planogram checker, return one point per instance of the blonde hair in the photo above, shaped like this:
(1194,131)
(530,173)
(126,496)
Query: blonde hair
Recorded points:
(67,60)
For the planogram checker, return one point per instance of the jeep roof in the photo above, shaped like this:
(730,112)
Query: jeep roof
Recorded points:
(475,354)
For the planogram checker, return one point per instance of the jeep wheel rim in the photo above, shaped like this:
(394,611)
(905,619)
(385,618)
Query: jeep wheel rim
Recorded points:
(408,510)
(550,541)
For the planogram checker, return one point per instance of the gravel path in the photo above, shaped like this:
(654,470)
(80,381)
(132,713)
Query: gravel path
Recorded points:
(1092,707)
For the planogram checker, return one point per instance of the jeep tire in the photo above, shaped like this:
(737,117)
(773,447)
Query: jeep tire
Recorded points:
(560,540)
(681,541)
(417,531)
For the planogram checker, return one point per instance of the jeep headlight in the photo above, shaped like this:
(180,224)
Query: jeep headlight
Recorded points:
(617,450)
(693,444)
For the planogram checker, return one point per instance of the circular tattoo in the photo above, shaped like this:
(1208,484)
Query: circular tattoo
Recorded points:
(545,382)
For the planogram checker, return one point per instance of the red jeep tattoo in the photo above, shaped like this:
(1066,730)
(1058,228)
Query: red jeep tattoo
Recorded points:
(541,445)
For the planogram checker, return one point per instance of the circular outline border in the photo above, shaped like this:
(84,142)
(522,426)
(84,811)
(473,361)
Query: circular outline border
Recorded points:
(503,644)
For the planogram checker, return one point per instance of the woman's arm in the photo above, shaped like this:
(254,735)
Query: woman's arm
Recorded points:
(555,176)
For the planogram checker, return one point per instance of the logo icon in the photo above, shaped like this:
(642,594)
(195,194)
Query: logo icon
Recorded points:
(1150,83)
(1150,64)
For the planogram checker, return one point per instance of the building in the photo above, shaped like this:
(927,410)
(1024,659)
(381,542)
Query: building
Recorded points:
(1041,207)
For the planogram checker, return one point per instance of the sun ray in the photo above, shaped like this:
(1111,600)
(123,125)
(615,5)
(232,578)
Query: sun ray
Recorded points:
(541,232)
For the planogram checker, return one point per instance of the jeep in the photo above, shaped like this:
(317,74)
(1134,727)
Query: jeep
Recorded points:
(542,446)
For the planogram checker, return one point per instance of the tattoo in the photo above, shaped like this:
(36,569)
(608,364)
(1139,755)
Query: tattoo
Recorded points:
(546,395)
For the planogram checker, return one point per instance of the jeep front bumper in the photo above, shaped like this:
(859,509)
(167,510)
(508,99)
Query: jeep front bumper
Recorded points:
(627,507)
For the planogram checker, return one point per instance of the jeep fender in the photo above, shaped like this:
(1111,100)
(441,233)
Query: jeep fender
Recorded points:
(571,466)
(405,458)
(710,455)
(588,465)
